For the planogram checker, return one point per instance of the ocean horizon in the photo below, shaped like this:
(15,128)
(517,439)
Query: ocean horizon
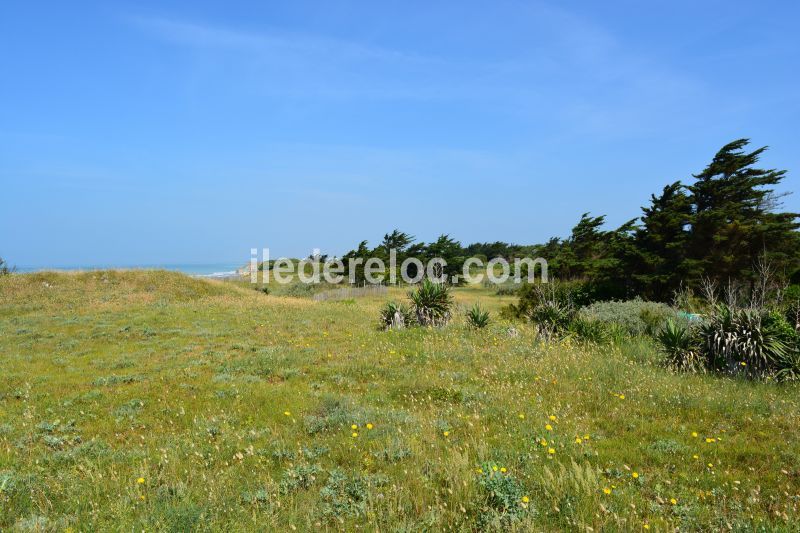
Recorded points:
(209,270)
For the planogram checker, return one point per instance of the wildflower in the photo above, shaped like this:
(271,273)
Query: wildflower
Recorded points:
(553,418)
(694,434)
(606,490)
(503,469)
(287,413)
(743,363)
(543,442)
(370,426)
(673,501)
(646,526)
(140,481)
(354,426)
(479,470)
(522,416)
(446,433)
(621,396)
(494,467)
(635,475)
(525,499)
(711,465)
(695,456)
(551,451)
(548,427)
(586,437)
(578,440)
(355,434)
(710,439)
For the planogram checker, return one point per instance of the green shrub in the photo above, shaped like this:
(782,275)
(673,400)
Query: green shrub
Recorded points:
(744,341)
(573,294)
(680,347)
(396,316)
(477,317)
(432,303)
(503,495)
(592,331)
(635,317)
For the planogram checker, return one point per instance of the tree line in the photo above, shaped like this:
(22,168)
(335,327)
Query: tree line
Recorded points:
(716,226)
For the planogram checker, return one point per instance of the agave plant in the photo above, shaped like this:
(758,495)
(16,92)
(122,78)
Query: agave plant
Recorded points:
(431,303)
(396,316)
(477,317)
(681,348)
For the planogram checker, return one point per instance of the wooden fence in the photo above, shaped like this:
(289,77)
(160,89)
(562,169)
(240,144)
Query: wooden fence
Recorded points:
(346,293)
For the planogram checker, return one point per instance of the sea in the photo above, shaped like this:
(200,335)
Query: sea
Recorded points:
(209,270)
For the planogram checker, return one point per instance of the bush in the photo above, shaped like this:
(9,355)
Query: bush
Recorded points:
(477,317)
(431,303)
(4,268)
(635,317)
(566,294)
(396,316)
(754,343)
(680,347)
(746,341)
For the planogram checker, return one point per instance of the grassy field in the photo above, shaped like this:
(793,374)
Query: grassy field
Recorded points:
(153,401)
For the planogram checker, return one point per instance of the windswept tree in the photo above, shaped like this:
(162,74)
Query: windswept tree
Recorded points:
(661,239)
(735,218)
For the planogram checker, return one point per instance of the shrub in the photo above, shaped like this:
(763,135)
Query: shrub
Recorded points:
(551,318)
(396,316)
(477,317)
(572,294)
(503,495)
(591,330)
(432,303)
(4,268)
(635,317)
(680,347)
(748,341)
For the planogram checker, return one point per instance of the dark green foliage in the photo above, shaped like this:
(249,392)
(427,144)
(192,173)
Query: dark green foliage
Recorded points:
(431,303)
(503,495)
(4,268)
(680,347)
(733,218)
(753,343)
(396,316)
(477,317)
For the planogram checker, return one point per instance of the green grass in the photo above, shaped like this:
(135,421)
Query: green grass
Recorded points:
(112,378)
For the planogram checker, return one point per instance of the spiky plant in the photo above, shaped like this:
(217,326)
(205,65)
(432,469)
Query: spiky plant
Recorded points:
(477,317)
(431,303)
(743,341)
(551,318)
(396,316)
(680,347)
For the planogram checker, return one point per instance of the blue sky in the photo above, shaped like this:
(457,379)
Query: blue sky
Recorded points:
(189,132)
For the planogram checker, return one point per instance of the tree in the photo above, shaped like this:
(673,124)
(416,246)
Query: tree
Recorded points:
(734,219)
(4,268)
(661,240)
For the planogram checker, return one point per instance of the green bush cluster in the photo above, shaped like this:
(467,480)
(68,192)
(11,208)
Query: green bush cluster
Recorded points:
(634,317)
(431,305)
(751,342)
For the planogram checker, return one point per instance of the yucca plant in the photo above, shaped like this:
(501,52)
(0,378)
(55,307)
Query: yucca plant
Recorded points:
(551,318)
(680,347)
(396,316)
(431,303)
(743,341)
(477,317)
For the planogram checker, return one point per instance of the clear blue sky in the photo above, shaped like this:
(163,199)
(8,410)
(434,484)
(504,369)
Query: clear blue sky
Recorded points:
(189,132)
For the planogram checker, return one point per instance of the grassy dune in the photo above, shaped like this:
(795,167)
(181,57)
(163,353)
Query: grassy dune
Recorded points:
(149,400)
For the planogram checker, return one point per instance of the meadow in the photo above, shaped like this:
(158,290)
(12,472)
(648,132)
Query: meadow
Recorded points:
(155,401)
